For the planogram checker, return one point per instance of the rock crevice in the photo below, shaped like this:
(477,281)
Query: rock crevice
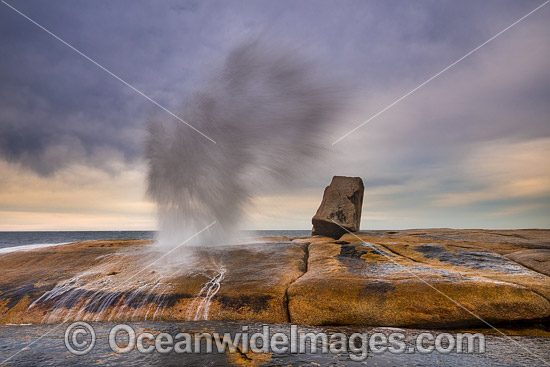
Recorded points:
(305,247)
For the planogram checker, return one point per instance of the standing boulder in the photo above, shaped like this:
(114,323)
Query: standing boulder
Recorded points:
(342,203)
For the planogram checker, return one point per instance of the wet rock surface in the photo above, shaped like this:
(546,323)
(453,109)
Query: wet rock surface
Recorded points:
(536,259)
(428,278)
(49,348)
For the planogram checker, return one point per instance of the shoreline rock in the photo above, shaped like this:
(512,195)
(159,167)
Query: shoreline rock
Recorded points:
(340,209)
(374,278)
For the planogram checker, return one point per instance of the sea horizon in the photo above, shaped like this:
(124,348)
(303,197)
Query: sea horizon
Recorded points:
(11,239)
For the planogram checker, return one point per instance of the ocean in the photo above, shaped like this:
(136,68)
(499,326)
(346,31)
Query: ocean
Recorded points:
(15,241)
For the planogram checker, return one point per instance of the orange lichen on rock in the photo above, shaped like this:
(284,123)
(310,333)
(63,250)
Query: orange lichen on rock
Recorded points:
(429,278)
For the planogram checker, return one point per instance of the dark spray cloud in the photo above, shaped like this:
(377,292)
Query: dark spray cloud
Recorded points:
(266,108)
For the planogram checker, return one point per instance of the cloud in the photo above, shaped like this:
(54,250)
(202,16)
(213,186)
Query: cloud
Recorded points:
(503,171)
(53,99)
(77,197)
(431,160)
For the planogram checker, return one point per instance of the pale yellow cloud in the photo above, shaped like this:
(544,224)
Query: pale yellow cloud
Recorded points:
(288,211)
(503,170)
(75,198)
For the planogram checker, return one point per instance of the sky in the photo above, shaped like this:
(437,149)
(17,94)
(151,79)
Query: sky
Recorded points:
(469,149)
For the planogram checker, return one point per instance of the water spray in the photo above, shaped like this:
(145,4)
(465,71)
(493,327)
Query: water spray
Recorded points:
(266,107)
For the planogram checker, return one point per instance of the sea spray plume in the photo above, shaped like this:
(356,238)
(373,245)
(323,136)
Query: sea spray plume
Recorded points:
(266,108)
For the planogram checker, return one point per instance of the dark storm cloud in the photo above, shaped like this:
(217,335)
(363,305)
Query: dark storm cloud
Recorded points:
(57,108)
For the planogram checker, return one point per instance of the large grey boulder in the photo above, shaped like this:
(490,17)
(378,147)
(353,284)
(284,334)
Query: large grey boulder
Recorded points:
(341,206)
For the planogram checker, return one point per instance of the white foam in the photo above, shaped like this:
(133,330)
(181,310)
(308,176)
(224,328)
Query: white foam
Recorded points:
(8,250)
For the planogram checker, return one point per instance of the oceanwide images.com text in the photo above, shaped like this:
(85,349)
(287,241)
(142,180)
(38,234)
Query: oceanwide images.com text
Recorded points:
(80,339)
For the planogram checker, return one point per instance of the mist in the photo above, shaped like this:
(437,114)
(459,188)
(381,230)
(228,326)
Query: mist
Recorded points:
(267,107)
